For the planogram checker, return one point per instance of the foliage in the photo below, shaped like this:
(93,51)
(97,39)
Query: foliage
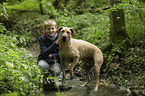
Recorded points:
(135,14)
(2,28)
(19,72)
(70,5)
(129,70)
(28,28)
(3,14)
(3,11)
(90,27)
(48,7)
(134,18)
(31,5)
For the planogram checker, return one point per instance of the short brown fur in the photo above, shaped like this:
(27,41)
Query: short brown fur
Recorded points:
(73,50)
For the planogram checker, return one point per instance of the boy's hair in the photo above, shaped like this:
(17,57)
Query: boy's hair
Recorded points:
(49,22)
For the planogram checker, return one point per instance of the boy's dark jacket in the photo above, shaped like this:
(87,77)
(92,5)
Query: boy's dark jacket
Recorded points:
(48,47)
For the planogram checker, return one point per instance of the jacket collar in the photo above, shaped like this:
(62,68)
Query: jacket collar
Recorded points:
(50,37)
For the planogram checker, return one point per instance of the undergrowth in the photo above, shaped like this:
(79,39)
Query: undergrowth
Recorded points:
(19,73)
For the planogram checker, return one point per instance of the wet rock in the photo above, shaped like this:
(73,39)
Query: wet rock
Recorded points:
(126,91)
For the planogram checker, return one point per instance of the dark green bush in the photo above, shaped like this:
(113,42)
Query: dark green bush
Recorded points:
(19,73)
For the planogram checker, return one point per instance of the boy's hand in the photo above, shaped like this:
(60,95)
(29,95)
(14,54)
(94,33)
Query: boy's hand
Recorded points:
(58,40)
(49,56)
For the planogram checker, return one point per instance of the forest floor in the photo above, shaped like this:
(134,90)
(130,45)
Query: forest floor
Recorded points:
(34,50)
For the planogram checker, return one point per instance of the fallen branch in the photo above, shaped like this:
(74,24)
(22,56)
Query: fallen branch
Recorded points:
(26,10)
(92,10)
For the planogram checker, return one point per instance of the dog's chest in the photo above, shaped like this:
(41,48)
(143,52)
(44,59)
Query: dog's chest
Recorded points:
(68,57)
(68,54)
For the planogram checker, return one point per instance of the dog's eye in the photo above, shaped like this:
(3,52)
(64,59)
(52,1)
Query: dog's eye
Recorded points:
(68,32)
(62,31)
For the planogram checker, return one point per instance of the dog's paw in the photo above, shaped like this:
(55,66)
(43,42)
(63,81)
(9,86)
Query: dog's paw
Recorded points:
(85,84)
(71,78)
(96,88)
(65,88)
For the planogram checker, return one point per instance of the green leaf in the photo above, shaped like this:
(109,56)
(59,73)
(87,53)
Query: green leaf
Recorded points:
(11,94)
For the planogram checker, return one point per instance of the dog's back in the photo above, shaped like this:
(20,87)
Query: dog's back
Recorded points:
(86,49)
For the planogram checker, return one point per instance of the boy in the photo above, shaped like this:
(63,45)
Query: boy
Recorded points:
(48,59)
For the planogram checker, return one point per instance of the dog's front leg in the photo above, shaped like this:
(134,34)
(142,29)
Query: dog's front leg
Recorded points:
(62,62)
(75,60)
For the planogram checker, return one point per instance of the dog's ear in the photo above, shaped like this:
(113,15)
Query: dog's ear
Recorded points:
(59,29)
(74,33)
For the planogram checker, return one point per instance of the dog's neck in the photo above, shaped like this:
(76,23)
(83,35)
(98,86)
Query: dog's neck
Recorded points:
(65,44)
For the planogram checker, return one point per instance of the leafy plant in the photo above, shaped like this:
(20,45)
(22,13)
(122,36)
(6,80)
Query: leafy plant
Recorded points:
(31,5)
(28,28)
(3,14)
(19,72)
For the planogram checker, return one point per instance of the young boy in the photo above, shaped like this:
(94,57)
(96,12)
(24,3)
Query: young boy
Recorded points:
(48,59)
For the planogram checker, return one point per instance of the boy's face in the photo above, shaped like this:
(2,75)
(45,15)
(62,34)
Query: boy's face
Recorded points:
(50,30)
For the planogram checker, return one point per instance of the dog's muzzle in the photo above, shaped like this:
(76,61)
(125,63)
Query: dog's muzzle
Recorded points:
(64,38)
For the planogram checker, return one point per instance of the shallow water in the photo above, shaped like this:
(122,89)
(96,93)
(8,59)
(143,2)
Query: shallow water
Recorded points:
(78,90)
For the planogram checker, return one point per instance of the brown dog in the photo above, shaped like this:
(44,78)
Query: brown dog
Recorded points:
(71,50)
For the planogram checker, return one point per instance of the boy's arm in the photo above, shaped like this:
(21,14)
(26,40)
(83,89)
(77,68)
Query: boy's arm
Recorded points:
(46,51)
(55,55)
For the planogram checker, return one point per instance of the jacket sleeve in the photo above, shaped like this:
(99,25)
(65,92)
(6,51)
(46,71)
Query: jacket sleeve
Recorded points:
(44,50)
(55,55)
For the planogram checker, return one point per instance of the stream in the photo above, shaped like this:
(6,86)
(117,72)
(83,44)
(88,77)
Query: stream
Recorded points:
(77,90)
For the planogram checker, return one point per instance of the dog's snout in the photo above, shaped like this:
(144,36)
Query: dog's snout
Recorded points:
(64,38)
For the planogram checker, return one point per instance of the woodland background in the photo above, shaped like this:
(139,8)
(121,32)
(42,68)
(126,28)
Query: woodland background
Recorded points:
(117,27)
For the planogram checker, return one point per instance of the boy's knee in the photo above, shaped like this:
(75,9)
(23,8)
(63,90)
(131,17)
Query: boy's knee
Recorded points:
(56,69)
(43,64)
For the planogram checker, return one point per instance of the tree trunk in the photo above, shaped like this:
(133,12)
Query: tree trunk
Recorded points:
(41,9)
(65,2)
(118,31)
(79,3)
(56,4)
(1,1)
(119,39)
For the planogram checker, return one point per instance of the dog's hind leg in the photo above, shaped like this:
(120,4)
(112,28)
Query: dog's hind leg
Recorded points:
(97,66)
(98,62)
(87,70)
(97,70)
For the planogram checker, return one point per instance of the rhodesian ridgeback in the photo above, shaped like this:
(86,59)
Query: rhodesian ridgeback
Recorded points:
(72,50)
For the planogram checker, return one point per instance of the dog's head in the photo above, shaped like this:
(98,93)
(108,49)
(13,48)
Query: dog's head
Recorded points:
(65,33)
